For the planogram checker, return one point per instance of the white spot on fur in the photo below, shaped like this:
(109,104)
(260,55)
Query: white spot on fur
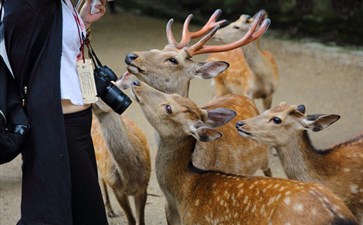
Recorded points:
(253,209)
(314,211)
(298,207)
(245,199)
(354,188)
(287,201)
(346,170)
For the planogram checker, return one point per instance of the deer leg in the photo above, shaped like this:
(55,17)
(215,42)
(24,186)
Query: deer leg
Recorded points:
(108,206)
(267,102)
(140,202)
(172,215)
(124,202)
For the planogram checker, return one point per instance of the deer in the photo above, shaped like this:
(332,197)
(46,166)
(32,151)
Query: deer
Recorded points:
(123,160)
(171,69)
(206,197)
(339,168)
(252,71)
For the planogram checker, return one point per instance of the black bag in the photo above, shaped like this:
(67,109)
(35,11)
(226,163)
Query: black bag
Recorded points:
(13,120)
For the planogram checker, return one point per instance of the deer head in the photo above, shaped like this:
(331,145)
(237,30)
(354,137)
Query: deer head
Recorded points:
(279,124)
(172,114)
(238,28)
(171,69)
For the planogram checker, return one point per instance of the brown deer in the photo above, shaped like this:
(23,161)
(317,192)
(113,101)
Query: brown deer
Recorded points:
(339,168)
(195,196)
(252,71)
(123,159)
(171,69)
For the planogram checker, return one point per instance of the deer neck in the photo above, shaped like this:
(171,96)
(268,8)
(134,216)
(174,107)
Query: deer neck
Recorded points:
(118,144)
(172,160)
(300,159)
(255,58)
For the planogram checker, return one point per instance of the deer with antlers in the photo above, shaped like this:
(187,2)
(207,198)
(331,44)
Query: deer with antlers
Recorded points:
(339,168)
(205,197)
(252,72)
(123,159)
(171,69)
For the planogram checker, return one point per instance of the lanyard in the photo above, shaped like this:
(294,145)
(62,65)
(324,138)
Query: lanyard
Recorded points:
(80,26)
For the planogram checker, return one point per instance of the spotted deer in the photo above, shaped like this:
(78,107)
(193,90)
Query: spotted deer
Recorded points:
(252,71)
(123,160)
(339,168)
(171,69)
(203,197)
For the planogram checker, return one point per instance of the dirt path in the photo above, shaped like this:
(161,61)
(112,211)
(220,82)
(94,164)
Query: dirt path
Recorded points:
(326,80)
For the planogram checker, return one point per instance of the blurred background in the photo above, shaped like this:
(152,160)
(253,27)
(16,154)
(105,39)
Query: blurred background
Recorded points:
(330,21)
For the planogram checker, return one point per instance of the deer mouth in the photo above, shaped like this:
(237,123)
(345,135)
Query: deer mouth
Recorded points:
(243,132)
(133,69)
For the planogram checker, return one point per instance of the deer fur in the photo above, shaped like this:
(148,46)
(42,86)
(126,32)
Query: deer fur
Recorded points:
(252,72)
(203,197)
(170,70)
(339,168)
(123,159)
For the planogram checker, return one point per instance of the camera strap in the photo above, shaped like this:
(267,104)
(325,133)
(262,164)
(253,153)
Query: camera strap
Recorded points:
(92,54)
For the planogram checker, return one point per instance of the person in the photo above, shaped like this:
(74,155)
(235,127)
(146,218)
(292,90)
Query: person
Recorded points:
(43,40)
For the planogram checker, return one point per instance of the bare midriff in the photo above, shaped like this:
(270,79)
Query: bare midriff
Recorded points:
(68,107)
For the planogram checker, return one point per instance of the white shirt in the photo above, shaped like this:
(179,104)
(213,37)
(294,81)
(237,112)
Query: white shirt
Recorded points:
(71,43)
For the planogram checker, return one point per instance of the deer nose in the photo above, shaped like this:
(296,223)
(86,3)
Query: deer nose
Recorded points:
(240,124)
(130,57)
(136,83)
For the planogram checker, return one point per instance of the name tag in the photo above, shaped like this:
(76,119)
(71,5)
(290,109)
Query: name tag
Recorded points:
(87,81)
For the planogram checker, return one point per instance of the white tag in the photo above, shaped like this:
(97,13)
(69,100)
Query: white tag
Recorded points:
(87,81)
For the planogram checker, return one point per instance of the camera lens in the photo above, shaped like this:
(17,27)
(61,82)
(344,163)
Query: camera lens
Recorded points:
(116,99)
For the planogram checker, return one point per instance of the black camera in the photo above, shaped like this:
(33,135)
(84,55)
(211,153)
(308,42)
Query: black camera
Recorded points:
(108,92)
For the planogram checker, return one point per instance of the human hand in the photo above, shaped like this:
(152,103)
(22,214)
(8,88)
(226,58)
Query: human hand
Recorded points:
(89,18)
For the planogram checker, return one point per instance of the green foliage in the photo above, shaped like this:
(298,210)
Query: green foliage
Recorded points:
(335,21)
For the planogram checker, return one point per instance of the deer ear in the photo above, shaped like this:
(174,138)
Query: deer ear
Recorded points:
(318,122)
(218,117)
(206,134)
(211,69)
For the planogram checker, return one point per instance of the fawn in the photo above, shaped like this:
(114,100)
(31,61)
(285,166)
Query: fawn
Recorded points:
(171,69)
(123,159)
(252,72)
(339,168)
(196,196)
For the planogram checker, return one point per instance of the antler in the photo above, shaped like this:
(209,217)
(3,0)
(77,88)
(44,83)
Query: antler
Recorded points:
(187,35)
(257,29)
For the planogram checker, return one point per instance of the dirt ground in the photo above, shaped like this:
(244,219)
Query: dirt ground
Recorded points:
(325,79)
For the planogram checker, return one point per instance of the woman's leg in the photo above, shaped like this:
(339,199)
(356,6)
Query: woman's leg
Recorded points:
(87,202)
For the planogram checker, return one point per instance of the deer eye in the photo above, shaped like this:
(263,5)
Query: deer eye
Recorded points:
(276,120)
(173,60)
(236,27)
(168,109)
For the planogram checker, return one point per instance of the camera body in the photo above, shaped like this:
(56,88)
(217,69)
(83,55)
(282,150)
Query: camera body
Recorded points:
(108,92)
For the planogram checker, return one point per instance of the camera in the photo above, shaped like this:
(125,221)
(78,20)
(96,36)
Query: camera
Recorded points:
(108,92)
